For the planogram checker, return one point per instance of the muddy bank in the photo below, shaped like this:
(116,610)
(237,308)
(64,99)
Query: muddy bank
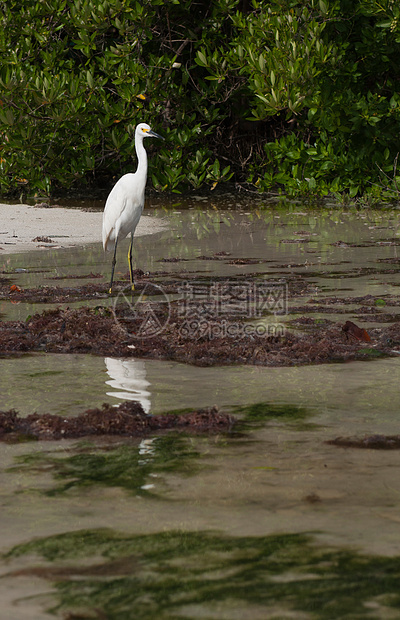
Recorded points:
(128,420)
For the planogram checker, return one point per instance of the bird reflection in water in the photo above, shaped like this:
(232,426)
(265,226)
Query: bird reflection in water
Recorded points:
(129,378)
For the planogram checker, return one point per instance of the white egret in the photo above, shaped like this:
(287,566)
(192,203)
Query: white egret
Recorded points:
(125,202)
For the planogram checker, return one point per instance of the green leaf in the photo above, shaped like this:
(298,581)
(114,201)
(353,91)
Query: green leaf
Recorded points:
(384,24)
(89,79)
(201,59)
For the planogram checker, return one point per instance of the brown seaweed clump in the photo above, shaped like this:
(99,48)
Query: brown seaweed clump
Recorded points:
(370,442)
(128,420)
(99,331)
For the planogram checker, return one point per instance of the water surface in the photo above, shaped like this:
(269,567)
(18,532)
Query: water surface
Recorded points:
(211,526)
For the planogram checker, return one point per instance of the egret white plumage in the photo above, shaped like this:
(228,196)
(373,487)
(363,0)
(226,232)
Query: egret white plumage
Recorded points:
(125,203)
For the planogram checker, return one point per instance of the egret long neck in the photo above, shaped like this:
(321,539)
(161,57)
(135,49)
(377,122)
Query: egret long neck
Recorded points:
(142,158)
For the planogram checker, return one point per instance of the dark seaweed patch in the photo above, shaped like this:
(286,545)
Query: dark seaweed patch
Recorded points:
(370,442)
(128,420)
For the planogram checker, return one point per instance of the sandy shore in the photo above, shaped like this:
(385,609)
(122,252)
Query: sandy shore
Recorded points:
(20,225)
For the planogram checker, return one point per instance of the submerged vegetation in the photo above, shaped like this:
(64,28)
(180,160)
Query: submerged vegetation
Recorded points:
(176,574)
(123,466)
(299,96)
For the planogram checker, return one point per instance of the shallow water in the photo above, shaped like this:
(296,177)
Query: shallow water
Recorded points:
(267,521)
(361,396)
(286,240)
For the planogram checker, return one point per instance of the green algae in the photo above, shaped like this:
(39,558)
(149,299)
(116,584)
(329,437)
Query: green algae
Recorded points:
(178,574)
(126,466)
(266,411)
(259,414)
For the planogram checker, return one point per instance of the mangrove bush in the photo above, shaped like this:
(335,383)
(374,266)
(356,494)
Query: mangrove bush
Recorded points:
(291,94)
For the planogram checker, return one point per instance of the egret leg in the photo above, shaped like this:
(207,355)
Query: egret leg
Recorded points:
(130,263)
(114,260)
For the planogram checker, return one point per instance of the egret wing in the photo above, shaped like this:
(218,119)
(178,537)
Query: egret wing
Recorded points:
(114,208)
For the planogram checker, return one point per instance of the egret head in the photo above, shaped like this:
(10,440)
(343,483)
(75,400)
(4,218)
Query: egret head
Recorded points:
(145,131)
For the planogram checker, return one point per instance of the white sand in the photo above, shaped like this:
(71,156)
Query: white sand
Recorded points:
(21,224)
